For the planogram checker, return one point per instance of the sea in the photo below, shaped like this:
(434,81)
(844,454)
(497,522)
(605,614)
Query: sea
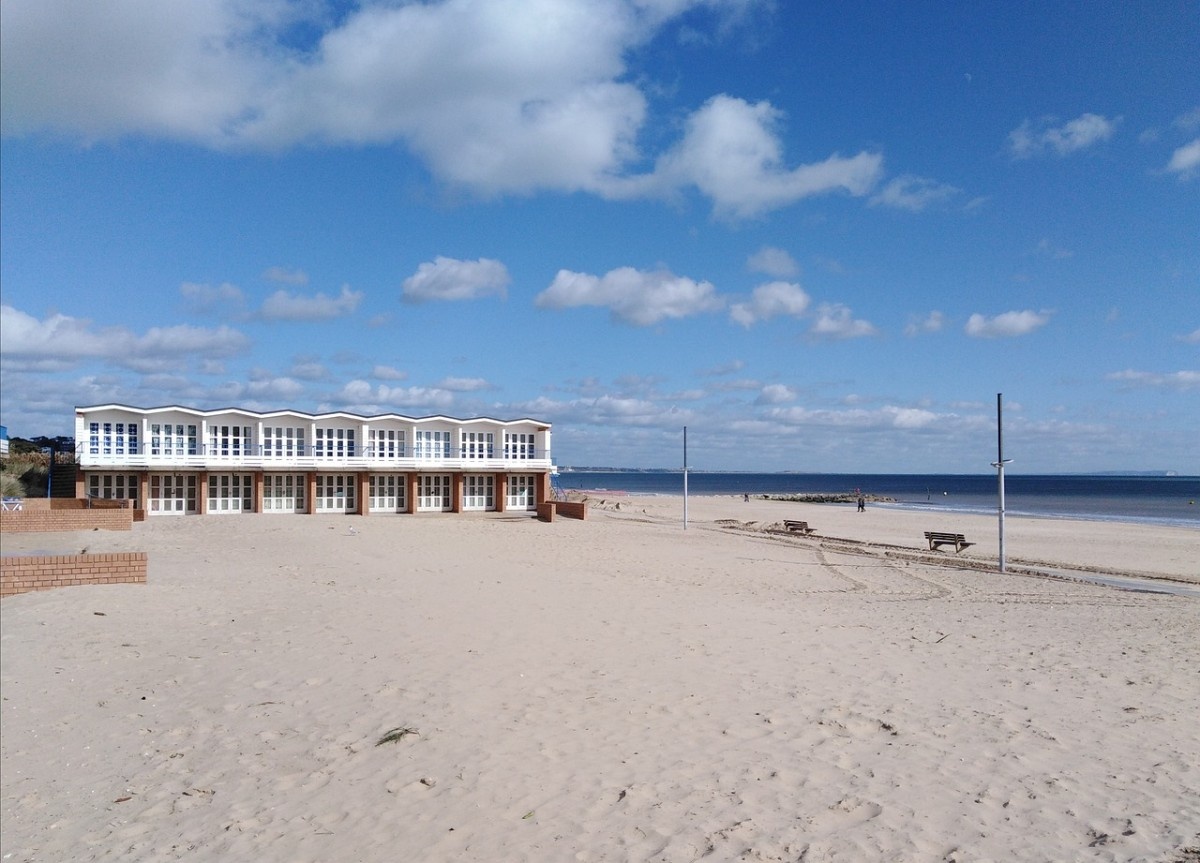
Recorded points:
(1161,500)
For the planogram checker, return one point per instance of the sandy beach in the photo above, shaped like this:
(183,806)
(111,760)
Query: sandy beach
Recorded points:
(605,690)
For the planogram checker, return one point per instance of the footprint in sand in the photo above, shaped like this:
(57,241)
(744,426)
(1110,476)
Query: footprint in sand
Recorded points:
(846,813)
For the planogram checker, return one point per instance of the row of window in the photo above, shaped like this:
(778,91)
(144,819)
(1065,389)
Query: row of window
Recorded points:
(167,439)
(234,492)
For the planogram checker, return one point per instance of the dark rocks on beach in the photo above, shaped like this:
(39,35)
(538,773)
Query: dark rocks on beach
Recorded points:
(828,498)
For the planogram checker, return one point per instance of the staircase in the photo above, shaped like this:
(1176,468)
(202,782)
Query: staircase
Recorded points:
(62,480)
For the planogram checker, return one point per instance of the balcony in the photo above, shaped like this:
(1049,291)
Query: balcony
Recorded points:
(311,458)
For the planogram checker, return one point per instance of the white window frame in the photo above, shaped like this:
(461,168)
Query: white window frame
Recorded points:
(479,492)
(284,492)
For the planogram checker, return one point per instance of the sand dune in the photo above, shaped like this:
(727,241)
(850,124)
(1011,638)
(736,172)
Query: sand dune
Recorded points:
(613,689)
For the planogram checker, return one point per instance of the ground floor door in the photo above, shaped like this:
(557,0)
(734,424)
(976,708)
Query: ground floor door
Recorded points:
(337,492)
(479,492)
(230,493)
(114,486)
(284,492)
(389,492)
(172,494)
(521,492)
(433,492)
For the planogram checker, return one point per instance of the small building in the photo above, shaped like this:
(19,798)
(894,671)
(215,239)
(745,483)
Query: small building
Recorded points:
(183,461)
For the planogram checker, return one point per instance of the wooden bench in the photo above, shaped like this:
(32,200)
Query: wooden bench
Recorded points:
(798,527)
(937,540)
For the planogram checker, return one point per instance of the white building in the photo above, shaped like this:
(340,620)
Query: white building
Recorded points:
(178,460)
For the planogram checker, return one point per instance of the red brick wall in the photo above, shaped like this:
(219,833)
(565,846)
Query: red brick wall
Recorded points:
(45,572)
(40,519)
(571,508)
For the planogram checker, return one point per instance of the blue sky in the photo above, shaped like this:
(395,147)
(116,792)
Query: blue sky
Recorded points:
(821,236)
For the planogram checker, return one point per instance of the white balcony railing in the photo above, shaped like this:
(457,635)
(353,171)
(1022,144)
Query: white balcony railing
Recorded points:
(306,458)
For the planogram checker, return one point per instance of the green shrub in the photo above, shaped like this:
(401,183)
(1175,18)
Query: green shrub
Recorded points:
(11,486)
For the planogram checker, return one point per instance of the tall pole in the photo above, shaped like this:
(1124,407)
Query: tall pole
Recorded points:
(685,478)
(999,464)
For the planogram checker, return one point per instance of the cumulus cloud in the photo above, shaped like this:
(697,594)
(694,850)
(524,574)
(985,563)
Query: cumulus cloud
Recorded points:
(770,300)
(506,96)
(889,416)
(285,276)
(1186,161)
(464,385)
(1180,381)
(1034,139)
(634,296)
(776,394)
(387,373)
(284,306)
(360,396)
(732,153)
(224,300)
(930,323)
(1192,338)
(61,341)
(502,96)
(451,279)
(912,193)
(773,262)
(836,321)
(1006,324)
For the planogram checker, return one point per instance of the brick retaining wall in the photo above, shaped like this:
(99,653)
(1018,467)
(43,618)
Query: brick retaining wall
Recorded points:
(39,516)
(45,572)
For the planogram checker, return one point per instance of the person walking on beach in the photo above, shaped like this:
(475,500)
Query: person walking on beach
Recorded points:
(862,503)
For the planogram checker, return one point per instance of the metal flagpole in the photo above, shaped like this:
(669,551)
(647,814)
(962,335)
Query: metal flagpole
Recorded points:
(685,477)
(999,464)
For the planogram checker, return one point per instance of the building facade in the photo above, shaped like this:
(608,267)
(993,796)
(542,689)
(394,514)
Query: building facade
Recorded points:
(183,461)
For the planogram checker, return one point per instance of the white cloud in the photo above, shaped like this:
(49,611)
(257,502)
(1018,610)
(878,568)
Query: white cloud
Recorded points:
(773,262)
(309,371)
(464,385)
(912,193)
(771,300)
(1192,338)
(1181,380)
(776,394)
(887,417)
(1033,139)
(224,300)
(1006,324)
(387,373)
(930,323)
(450,279)
(505,96)
(1186,161)
(359,395)
(1049,250)
(61,341)
(285,276)
(633,296)
(836,321)
(1188,120)
(283,306)
(731,152)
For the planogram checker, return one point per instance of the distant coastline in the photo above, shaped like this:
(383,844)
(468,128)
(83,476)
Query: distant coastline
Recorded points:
(678,470)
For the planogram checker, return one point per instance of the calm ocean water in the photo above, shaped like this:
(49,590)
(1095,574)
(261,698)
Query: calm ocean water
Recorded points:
(1171,500)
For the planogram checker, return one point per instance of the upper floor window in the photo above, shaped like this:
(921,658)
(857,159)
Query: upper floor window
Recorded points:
(519,445)
(433,444)
(386,443)
(172,439)
(113,438)
(478,444)
(229,440)
(282,442)
(334,443)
